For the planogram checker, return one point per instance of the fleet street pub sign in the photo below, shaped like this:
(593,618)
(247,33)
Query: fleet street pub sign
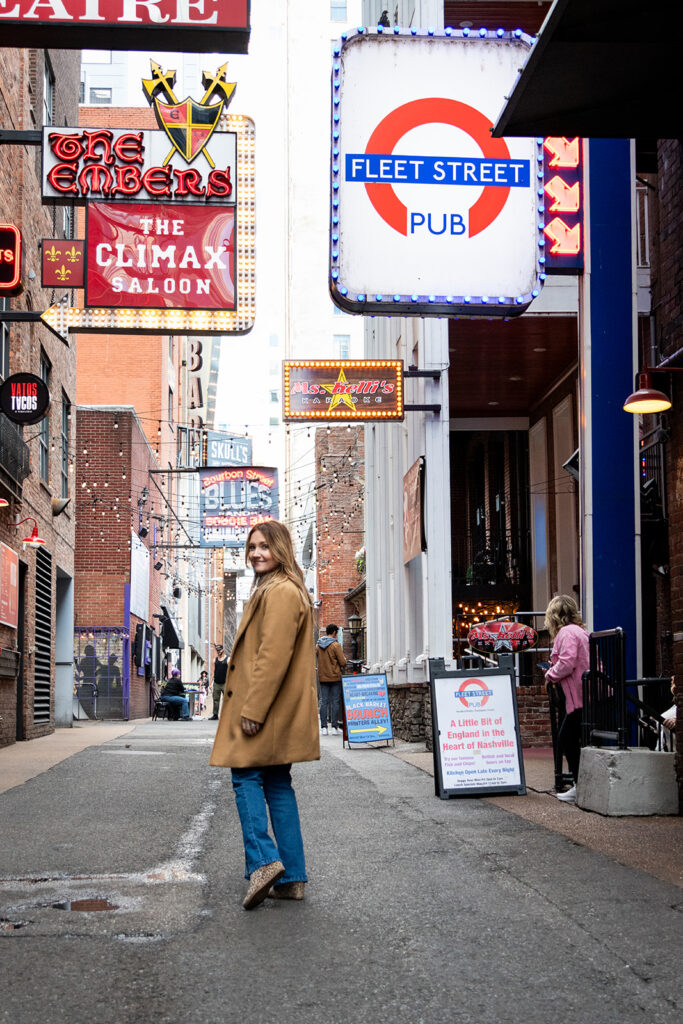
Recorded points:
(431,215)
(161,226)
(199,26)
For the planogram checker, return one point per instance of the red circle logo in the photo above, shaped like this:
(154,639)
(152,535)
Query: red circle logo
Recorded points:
(430,111)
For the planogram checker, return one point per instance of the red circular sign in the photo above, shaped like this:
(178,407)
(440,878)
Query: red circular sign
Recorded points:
(443,111)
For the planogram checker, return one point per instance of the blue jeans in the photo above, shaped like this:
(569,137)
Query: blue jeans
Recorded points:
(329,704)
(257,791)
(182,703)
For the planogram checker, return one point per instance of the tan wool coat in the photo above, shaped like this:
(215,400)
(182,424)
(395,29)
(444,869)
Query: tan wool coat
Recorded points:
(271,679)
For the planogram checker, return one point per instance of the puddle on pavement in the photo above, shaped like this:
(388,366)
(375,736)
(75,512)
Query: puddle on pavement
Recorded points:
(88,905)
(11,926)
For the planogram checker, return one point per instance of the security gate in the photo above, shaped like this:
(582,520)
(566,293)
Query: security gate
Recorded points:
(98,674)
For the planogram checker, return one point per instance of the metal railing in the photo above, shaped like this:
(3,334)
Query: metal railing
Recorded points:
(604,690)
(652,477)
(619,711)
(14,455)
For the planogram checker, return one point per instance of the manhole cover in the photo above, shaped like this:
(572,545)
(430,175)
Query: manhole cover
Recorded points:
(86,905)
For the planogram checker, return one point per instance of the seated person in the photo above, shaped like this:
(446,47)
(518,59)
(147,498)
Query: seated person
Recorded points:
(668,718)
(174,694)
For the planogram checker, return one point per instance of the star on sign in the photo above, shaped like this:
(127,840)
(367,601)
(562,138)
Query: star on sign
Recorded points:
(338,399)
(503,643)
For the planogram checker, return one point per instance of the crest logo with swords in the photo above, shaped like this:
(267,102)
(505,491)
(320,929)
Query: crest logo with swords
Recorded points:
(188,124)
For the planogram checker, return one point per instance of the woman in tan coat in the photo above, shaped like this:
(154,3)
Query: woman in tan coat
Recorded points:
(269,715)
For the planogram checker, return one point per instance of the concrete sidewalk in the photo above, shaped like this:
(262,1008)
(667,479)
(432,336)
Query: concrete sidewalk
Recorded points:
(652,844)
(23,761)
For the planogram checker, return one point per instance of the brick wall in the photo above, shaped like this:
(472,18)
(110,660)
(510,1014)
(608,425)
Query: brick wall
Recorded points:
(339,455)
(21,108)
(667,296)
(534,716)
(112,472)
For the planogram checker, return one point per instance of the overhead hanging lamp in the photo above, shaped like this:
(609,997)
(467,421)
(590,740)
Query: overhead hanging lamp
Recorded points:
(647,399)
(35,540)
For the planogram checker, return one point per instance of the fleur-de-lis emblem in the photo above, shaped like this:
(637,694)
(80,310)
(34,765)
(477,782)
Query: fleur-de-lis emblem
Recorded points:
(53,254)
(62,273)
(72,254)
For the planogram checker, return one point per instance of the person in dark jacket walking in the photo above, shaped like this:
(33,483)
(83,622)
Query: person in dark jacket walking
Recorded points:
(220,669)
(174,693)
(331,661)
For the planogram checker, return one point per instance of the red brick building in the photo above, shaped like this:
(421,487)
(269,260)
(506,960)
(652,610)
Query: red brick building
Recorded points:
(339,460)
(118,592)
(663,561)
(37,87)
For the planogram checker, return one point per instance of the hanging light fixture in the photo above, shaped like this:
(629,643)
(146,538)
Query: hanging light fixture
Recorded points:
(35,540)
(646,399)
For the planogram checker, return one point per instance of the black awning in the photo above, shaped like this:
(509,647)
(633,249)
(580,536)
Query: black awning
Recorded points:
(171,637)
(600,70)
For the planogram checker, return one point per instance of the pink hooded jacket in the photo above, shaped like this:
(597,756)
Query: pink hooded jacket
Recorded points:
(568,661)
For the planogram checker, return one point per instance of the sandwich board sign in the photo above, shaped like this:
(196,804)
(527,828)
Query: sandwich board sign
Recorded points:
(476,742)
(366,708)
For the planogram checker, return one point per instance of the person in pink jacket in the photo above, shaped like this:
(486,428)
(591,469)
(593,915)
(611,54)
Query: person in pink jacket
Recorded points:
(568,661)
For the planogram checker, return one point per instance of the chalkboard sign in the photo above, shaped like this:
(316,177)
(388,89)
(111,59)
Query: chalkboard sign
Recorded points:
(477,748)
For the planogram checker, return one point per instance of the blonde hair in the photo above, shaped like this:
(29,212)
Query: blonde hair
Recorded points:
(279,541)
(562,611)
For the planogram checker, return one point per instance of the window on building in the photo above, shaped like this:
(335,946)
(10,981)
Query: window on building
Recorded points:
(273,341)
(274,421)
(4,341)
(66,429)
(171,404)
(68,221)
(81,92)
(44,435)
(98,94)
(48,93)
(337,311)
(337,10)
(342,346)
(274,397)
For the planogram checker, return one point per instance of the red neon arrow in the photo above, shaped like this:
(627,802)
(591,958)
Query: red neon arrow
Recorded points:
(565,197)
(566,240)
(565,152)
